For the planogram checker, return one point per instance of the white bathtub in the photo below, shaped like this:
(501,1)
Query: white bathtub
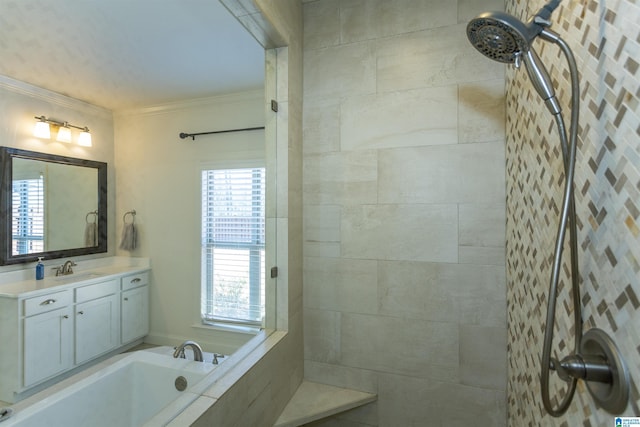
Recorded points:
(128,390)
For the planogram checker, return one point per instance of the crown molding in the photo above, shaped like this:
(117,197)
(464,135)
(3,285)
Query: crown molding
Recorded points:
(226,99)
(27,89)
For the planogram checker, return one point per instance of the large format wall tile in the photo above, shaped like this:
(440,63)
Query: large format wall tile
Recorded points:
(372,19)
(404,346)
(461,173)
(341,178)
(404,190)
(340,71)
(445,292)
(341,284)
(431,58)
(400,119)
(401,232)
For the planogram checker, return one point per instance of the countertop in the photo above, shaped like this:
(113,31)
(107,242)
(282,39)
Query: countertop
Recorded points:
(15,285)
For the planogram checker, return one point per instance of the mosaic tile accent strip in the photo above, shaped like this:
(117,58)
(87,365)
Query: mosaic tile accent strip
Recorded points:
(605,38)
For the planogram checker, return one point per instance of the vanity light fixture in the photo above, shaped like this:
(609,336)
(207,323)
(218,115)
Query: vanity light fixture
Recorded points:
(64,133)
(43,130)
(84,139)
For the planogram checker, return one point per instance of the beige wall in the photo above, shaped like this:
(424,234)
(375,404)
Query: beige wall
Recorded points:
(158,175)
(404,212)
(604,39)
(21,102)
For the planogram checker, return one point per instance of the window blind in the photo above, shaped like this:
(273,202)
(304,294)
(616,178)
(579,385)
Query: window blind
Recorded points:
(27,213)
(233,245)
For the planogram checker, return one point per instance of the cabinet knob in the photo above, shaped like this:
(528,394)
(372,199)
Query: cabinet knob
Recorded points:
(81,312)
(126,299)
(136,280)
(65,317)
(47,302)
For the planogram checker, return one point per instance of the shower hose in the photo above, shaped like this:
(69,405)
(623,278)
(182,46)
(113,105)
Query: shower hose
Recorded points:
(567,221)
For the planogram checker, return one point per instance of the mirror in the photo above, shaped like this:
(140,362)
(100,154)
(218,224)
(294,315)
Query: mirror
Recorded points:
(52,206)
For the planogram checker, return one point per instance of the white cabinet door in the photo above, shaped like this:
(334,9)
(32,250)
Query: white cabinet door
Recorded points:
(47,345)
(97,327)
(135,313)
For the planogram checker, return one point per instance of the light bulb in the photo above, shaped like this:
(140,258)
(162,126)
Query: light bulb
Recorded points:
(42,130)
(64,134)
(85,138)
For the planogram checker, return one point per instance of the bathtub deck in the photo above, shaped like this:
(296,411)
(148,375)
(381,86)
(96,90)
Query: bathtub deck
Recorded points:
(314,401)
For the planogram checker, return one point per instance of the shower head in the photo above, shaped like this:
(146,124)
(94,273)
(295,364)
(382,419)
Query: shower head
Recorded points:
(504,38)
(500,36)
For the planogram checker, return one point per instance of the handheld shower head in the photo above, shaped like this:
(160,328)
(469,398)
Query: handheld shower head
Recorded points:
(504,38)
(499,36)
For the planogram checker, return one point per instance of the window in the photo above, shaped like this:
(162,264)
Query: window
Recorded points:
(27,205)
(233,245)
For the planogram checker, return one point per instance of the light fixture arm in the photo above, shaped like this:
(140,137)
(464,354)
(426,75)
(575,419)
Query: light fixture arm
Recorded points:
(61,124)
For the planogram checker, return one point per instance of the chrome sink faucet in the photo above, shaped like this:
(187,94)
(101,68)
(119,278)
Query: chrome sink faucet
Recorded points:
(197,351)
(65,268)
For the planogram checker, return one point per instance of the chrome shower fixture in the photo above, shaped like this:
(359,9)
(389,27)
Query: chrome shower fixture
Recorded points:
(504,38)
(596,359)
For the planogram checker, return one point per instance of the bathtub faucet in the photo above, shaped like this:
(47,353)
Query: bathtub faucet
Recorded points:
(197,351)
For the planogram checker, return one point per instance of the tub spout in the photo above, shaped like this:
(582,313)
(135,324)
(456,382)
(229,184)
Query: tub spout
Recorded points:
(197,351)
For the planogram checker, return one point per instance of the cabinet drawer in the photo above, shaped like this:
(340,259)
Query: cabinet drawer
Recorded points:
(98,290)
(135,280)
(46,303)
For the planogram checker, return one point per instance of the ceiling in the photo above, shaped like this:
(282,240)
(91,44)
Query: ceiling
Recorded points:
(123,54)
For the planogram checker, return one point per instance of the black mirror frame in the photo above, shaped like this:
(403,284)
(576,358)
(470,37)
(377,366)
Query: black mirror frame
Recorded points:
(7,154)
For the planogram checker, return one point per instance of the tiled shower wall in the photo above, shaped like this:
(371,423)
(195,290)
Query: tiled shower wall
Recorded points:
(404,212)
(605,37)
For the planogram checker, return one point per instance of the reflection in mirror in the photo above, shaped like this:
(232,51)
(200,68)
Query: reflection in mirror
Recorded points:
(57,206)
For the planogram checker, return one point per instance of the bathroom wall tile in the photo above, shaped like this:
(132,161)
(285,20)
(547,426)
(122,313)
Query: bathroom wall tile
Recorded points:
(363,20)
(322,223)
(341,178)
(482,225)
(321,24)
(339,71)
(405,401)
(462,173)
(461,293)
(400,119)
(282,152)
(395,345)
(321,126)
(341,376)
(322,335)
(469,9)
(363,416)
(481,255)
(483,356)
(604,38)
(481,112)
(322,249)
(340,284)
(192,412)
(430,58)
(400,232)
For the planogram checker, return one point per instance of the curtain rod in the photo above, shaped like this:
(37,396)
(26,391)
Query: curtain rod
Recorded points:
(193,135)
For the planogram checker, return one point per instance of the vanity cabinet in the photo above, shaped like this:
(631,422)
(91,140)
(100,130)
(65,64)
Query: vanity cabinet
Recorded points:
(47,335)
(135,307)
(59,325)
(97,320)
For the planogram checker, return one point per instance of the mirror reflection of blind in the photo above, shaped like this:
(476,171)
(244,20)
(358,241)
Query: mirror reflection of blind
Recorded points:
(233,245)
(27,205)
